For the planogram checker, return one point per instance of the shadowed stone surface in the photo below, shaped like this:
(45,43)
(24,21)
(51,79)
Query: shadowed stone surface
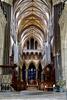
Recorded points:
(27,95)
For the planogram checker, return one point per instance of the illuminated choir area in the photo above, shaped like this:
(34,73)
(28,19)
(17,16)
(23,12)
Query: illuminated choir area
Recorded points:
(32,44)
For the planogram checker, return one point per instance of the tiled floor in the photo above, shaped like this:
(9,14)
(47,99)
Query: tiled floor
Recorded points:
(30,95)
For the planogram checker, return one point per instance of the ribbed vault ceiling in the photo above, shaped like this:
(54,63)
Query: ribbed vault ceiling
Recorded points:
(32,19)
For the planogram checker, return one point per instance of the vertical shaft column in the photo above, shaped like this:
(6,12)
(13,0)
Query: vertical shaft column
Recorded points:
(37,76)
(7,13)
(27,75)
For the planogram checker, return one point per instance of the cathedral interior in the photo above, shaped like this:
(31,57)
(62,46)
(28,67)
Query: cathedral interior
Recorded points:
(32,45)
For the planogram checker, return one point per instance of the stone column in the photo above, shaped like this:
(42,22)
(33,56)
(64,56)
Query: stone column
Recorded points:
(63,31)
(58,69)
(36,74)
(16,53)
(42,76)
(7,13)
(2,34)
(27,75)
(62,56)
(65,48)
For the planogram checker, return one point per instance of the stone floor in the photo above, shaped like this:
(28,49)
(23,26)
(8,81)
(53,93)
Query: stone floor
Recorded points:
(33,95)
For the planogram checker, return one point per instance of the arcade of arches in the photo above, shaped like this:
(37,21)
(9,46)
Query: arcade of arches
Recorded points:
(33,42)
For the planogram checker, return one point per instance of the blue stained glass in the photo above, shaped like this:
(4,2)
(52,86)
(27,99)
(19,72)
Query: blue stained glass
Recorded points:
(32,74)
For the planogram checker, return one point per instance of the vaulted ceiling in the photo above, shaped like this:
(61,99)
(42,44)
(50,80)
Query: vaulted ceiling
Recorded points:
(32,18)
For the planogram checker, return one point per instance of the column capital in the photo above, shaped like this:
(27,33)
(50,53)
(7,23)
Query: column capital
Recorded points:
(8,1)
(57,1)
